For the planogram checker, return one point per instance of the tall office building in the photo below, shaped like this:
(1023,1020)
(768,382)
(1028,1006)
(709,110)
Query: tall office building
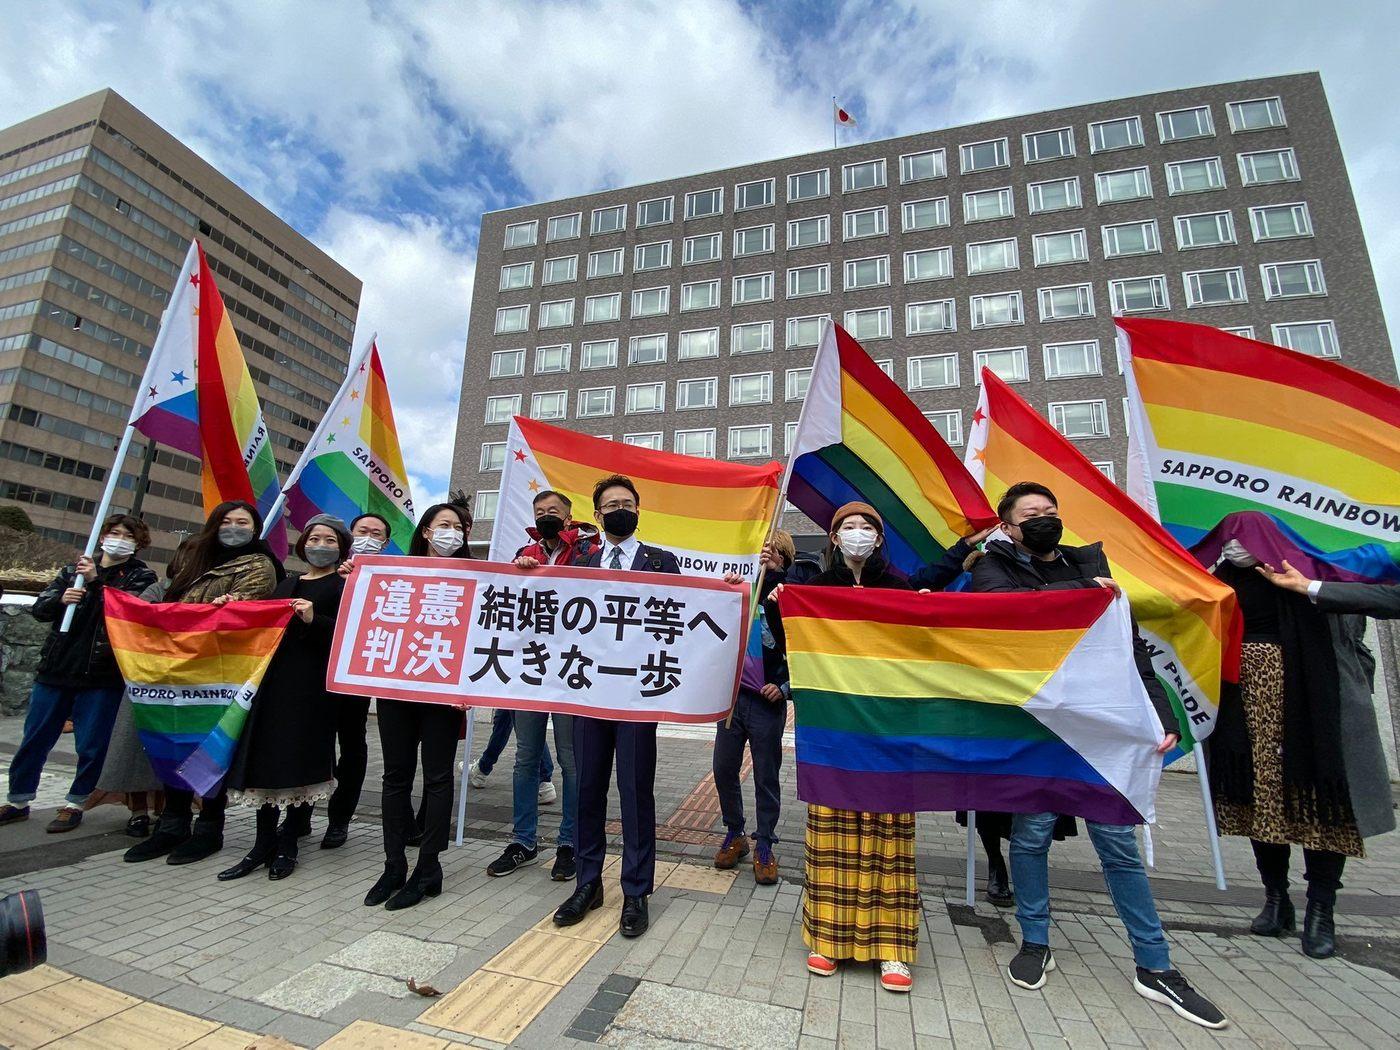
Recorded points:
(684,314)
(98,205)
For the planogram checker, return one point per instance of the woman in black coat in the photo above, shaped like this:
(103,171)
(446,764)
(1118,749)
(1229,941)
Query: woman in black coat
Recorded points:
(286,755)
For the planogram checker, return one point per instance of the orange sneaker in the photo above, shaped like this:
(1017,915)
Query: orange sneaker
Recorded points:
(734,849)
(820,965)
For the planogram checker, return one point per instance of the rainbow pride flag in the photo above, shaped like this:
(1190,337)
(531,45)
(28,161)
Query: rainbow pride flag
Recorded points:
(1223,424)
(353,464)
(859,437)
(1021,703)
(714,516)
(203,402)
(1188,618)
(191,672)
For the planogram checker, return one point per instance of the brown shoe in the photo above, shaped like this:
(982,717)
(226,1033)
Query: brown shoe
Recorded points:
(735,849)
(66,819)
(13,814)
(765,865)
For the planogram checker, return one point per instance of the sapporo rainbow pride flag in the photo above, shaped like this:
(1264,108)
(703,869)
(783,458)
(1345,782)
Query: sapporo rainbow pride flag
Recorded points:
(1223,425)
(1188,618)
(714,516)
(859,437)
(191,672)
(352,464)
(1023,703)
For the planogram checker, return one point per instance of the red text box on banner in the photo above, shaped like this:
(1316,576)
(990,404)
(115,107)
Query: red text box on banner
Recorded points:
(626,646)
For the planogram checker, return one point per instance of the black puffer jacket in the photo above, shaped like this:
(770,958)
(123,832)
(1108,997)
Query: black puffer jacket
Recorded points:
(1003,570)
(82,658)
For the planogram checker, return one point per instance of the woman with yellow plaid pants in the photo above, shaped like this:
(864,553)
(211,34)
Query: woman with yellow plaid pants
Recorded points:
(862,900)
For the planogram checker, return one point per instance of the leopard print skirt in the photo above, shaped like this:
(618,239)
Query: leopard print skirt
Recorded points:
(1261,689)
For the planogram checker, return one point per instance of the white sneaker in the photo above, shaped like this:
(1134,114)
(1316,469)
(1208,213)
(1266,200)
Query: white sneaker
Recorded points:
(475,777)
(547,793)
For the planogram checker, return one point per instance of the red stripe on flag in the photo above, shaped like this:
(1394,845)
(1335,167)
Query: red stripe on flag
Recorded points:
(223,453)
(1037,611)
(178,616)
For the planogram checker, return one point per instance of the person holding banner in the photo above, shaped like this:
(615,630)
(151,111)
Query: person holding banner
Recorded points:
(229,561)
(1032,559)
(1296,756)
(408,728)
(616,507)
(862,898)
(286,755)
(758,719)
(77,677)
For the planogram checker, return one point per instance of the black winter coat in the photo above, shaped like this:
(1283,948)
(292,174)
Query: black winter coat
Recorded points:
(82,658)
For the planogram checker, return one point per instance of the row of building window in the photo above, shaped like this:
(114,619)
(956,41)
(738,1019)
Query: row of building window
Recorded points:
(1268,222)
(1221,286)
(990,154)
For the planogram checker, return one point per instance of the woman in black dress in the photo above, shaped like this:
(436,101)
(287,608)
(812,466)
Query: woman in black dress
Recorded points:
(286,756)
(408,727)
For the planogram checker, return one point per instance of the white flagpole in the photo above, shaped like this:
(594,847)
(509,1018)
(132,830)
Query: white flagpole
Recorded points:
(466,773)
(105,504)
(308,452)
(1208,804)
(834,125)
(971,857)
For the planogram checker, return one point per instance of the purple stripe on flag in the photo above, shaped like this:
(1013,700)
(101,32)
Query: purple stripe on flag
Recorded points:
(943,792)
(171,428)
(202,772)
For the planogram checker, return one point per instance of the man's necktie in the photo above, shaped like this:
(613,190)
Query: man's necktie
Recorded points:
(615,558)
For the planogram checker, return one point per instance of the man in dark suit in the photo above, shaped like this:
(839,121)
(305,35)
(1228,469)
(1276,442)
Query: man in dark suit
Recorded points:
(596,741)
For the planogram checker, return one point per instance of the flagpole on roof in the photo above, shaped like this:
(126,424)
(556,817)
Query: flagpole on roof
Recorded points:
(834,124)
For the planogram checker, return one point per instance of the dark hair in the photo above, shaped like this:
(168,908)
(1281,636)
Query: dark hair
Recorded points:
(1022,488)
(342,539)
(418,546)
(139,532)
(614,481)
(206,552)
(177,560)
(388,529)
(568,503)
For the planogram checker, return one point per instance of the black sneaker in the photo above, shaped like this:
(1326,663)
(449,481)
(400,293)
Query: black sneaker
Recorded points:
(1170,988)
(1030,966)
(515,856)
(565,868)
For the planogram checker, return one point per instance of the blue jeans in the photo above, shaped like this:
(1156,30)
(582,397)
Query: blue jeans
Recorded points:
(502,722)
(1116,845)
(530,752)
(760,722)
(92,710)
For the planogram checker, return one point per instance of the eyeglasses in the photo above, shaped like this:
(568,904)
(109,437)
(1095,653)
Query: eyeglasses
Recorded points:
(618,504)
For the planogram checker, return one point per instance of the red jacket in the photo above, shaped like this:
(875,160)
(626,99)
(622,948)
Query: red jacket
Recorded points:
(577,540)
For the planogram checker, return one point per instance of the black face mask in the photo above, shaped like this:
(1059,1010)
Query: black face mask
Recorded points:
(1041,535)
(549,526)
(620,523)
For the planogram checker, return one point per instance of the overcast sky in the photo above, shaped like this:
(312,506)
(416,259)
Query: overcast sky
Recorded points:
(382,130)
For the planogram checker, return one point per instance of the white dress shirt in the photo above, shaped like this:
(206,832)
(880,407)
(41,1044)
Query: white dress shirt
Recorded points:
(628,547)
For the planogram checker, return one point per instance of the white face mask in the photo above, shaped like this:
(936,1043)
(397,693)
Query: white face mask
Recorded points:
(116,547)
(856,543)
(1235,553)
(366,545)
(446,541)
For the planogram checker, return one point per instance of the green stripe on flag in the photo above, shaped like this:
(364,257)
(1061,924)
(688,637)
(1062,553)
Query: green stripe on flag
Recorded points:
(898,716)
(896,513)
(177,719)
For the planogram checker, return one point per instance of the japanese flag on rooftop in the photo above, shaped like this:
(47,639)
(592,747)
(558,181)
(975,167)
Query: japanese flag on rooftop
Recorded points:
(842,117)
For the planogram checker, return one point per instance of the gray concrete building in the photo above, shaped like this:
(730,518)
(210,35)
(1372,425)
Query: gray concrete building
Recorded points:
(684,314)
(98,205)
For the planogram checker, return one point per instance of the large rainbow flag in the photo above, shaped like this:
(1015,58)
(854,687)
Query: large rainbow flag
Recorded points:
(353,464)
(202,400)
(1188,617)
(1223,424)
(714,516)
(859,437)
(1019,703)
(191,672)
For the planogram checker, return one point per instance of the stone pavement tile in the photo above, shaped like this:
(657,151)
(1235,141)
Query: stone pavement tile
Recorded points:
(822,1014)
(320,988)
(491,1005)
(302,1031)
(57,1010)
(1006,1030)
(970,1036)
(242,1014)
(223,1038)
(367,1035)
(854,1036)
(1082,1035)
(145,1026)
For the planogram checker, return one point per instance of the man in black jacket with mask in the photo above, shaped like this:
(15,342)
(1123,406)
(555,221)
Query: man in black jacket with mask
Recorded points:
(596,741)
(1033,559)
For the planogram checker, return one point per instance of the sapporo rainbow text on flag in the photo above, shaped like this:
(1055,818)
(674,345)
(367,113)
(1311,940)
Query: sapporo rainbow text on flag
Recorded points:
(1023,703)
(191,673)
(1223,425)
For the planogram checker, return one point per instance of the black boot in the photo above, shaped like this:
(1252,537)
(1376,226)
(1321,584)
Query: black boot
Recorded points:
(1277,916)
(284,862)
(389,883)
(264,846)
(998,885)
(158,845)
(426,881)
(1319,931)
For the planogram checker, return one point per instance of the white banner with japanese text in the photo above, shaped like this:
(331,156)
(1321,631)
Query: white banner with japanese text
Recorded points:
(626,646)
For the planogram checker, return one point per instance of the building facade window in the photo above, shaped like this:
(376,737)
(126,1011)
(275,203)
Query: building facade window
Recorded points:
(695,443)
(750,442)
(1268,166)
(928,264)
(698,344)
(507,364)
(808,280)
(996,310)
(755,337)
(1062,246)
(500,407)
(596,401)
(803,332)
(1134,295)
(983,205)
(598,353)
(645,397)
(549,404)
(795,385)
(1257,114)
(701,204)
(700,295)
(651,302)
(512,319)
(1214,287)
(862,175)
(1318,338)
(696,393)
(873,272)
(651,439)
(1127,184)
(1279,222)
(600,308)
(1080,419)
(930,214)
(920,167)
(1047,145)
(605,264)
(753,288)
(564,227)
(1073,360)
(1206,230)
(560,270)
(654,212)
(486,504)
(984,156)
(992,256)
(646,349)
(1119,133)
(933,372)
(750,195)
(703,248)
(557,314)
(1007,363)
(873,323)
(1178,124)
(810,232)
(930,318)
(1131,238)
(755,388)
(522,234)
(948,423)
(1293,280)
(493,456)
(517,275)
(1066,303)
(1053,195)
(608,220)
(753,240)
(552,359)
(656,256)
(867,222)
(808,185)
(1194,176)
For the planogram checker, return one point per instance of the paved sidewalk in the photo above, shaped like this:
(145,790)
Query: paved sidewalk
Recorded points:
(150,955)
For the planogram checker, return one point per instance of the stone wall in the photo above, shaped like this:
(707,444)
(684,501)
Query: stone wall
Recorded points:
(21,637)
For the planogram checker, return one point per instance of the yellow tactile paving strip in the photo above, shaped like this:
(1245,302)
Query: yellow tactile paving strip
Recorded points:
(369,1035)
